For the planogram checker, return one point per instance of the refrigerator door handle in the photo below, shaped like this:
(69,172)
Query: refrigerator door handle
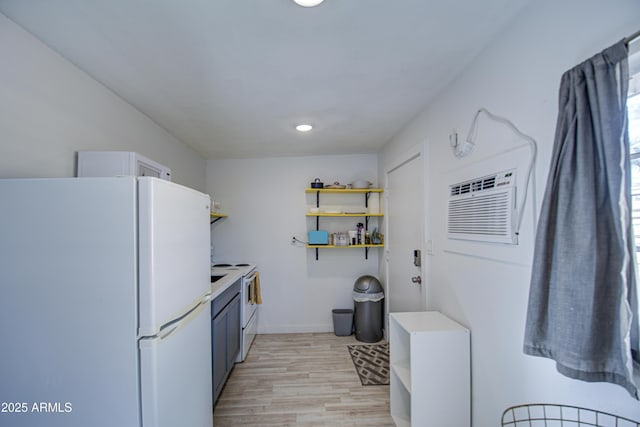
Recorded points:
(173,326)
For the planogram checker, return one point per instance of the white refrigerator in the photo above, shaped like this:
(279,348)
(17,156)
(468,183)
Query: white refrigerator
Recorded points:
(104,303)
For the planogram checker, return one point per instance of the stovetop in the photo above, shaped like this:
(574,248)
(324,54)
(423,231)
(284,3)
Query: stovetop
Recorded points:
(244,267)
(244,264)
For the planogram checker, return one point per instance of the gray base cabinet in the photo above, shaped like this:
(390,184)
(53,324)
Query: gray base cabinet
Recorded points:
(225,335)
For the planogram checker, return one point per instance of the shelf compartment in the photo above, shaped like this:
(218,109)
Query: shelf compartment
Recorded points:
(400,405)
(403,372)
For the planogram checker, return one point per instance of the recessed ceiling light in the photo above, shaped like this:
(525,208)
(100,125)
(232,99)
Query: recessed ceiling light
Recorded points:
(308,3)
(304,128)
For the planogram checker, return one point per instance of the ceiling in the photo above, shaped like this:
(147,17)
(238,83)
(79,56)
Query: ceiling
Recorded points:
(232,78)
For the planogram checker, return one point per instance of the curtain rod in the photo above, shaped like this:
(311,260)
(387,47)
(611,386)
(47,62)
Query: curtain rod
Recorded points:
(632,37)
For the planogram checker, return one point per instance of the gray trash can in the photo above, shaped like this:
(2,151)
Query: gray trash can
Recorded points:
(342,321)
(368,297)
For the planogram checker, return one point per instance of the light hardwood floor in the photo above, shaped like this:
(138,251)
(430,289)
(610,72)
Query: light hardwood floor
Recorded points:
(300,380)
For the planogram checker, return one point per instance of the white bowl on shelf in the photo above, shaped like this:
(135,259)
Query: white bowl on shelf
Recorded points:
(361,184)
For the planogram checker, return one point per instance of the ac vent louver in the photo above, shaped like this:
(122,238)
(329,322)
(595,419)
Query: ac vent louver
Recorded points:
(482,184)
(482,209)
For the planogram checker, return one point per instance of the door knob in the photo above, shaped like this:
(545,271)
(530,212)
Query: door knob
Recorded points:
(417,279)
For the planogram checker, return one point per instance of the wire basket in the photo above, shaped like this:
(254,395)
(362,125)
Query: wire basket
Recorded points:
(550,415)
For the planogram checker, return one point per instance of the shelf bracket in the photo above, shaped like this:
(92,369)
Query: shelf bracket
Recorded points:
(216,219)
(316,254)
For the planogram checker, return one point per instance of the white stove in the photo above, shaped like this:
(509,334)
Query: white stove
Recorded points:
(249,311)
(244,267)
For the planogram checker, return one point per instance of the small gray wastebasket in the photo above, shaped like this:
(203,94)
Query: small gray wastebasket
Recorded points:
(368,297)
(342,321)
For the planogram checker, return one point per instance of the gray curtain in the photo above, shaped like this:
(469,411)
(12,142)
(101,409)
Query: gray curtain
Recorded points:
(583,307)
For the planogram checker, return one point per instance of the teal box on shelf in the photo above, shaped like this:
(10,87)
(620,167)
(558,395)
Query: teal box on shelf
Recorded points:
(318,237)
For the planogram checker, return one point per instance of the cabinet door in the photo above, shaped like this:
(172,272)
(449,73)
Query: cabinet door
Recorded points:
(235,331)
(219,355)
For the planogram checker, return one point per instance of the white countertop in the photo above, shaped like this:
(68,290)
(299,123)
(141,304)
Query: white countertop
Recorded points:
(230,277)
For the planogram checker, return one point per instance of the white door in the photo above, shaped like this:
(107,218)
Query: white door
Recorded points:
(405,223)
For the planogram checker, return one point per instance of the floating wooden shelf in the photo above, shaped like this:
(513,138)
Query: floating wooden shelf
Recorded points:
(215,217)
(343,214)
(344,190)
(364,214)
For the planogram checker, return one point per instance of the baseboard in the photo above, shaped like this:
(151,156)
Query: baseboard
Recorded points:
(294,329)
(302,329)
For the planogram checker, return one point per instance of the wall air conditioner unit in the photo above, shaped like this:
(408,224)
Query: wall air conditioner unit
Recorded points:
(484,209)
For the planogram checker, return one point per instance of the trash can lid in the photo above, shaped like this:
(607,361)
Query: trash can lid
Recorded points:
(367,285)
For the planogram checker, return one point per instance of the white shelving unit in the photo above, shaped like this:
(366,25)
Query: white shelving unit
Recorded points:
(430,370)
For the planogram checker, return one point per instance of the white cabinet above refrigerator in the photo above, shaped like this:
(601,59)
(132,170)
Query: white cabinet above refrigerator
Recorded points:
(119,163)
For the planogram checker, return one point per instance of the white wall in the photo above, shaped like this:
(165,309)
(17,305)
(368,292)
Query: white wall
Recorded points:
(485,287)
(266,203)
(49,109)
